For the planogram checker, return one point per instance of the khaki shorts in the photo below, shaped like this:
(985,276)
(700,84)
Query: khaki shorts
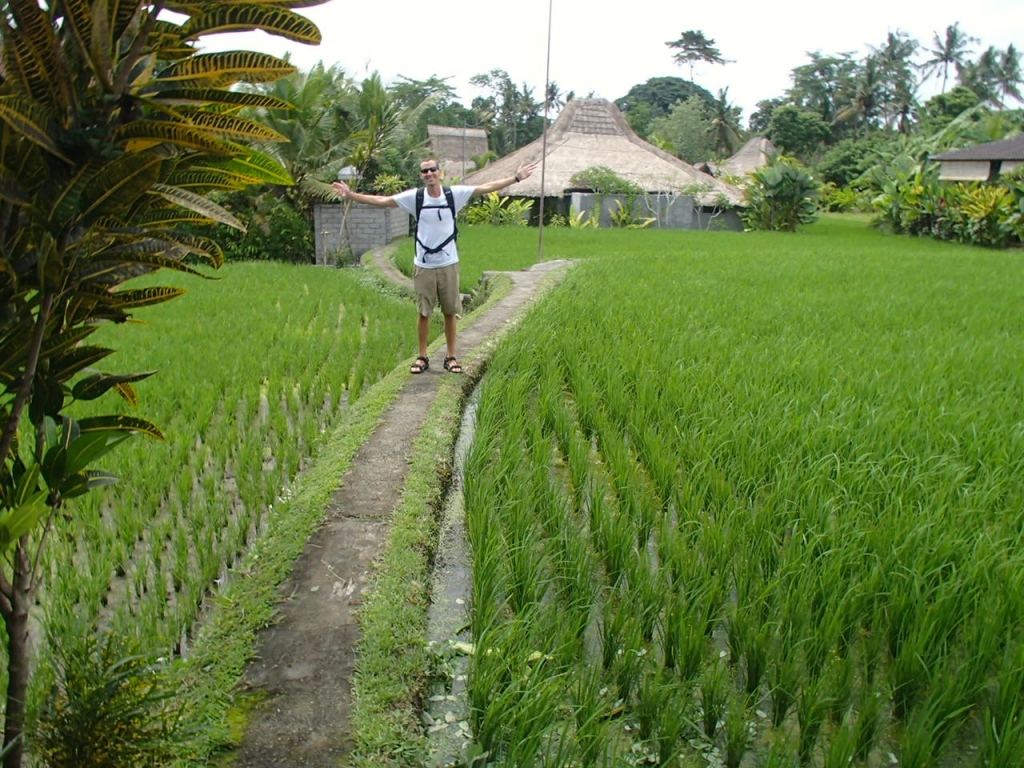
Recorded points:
(440,284)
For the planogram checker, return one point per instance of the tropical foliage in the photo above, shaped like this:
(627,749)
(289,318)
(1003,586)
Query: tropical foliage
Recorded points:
(114,129)
(499,211)
(911,200)
(781,196)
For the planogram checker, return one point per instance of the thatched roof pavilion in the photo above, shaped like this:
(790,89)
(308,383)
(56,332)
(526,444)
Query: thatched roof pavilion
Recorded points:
(750,157)
(593,132)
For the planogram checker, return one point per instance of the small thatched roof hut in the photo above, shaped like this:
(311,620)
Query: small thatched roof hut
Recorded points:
(454,148)
(593,132)
(750,157)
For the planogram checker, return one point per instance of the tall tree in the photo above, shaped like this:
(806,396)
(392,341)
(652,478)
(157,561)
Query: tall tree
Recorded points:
(798,132)
(863,107)
(896,68)
(656,98)
(516,113)
(692,46)
(994,75)
(409,94)
(112,130)
(763,114)
(726,133)
(951,50)
(554,100)
(824,85)
(1009,76)
(685,131)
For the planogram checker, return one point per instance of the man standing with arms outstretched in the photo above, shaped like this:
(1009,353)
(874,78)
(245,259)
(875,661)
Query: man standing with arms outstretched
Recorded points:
(436,275)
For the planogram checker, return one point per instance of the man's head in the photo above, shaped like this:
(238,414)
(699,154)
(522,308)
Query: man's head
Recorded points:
(430,172)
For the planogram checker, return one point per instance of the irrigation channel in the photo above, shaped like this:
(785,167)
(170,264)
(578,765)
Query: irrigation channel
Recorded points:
(447,716)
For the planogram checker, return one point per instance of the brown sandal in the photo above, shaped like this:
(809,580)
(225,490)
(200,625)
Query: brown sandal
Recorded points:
(421,364)
(452,365)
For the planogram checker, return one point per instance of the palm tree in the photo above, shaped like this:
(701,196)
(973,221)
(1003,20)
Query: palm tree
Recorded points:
(555,99)
(317,117)
(994,74)
(863,107)
(1009,76)
(724,129)
(112,130)
(896,71)
(951,50)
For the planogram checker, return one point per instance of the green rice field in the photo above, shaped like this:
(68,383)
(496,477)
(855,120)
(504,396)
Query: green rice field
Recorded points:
(755,500)
(733,499)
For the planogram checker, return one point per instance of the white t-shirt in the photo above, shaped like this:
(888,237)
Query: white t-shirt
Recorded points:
(436,224)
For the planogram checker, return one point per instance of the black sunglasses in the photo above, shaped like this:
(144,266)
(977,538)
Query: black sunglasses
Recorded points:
(428,170)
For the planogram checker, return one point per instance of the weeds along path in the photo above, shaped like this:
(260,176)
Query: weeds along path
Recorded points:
(305,662)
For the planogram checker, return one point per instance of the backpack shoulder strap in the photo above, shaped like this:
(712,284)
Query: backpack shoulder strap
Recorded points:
(450,200)
(450,197)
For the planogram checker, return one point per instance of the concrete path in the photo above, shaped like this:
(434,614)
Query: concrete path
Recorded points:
(305,662)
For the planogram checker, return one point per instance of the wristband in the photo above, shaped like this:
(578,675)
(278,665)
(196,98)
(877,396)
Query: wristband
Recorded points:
(516,175)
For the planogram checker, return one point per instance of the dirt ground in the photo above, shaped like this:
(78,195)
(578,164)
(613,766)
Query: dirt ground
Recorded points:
(304,663)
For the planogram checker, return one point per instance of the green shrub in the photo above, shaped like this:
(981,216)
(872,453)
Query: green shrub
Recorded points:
(107,706)
(625,216)
(845,162)
(982,214)
(574,220)
(275,231)
(846,199)
(499,211)
(604,180)
(781,195)
(907,195)
(913,201)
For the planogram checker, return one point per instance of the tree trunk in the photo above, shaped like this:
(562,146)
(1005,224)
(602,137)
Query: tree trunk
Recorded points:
(15,615)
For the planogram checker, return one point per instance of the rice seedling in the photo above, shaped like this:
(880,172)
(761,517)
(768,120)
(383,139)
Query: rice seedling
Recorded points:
(714,696)
(591,711)
(869,724)
(840,745)
(812,705)
(738,731)
(663,714)
(1002,716)
(630,658)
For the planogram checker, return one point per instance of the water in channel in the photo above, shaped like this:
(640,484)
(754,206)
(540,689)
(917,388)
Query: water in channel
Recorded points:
(446,718)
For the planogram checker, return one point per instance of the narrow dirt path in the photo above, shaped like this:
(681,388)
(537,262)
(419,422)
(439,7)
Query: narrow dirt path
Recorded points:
(305,662)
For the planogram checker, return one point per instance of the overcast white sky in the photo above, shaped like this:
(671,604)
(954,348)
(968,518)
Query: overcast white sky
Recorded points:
(603,48)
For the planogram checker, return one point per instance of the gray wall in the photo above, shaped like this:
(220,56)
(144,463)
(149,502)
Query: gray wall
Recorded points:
(365,226)
(669,211)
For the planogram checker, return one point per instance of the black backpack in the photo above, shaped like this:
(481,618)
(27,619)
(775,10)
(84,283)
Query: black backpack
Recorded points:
(450,199)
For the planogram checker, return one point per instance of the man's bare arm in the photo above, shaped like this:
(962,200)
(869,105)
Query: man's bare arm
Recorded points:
(381,201)
(524,172)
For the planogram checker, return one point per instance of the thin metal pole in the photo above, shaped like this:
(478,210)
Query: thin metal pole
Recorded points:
(544,138)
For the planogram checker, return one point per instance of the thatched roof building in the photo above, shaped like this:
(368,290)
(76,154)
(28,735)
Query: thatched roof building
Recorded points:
(593,132)
(454,148)
(749,158)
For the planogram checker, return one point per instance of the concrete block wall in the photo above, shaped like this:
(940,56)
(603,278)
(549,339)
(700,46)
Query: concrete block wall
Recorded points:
(365,227)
